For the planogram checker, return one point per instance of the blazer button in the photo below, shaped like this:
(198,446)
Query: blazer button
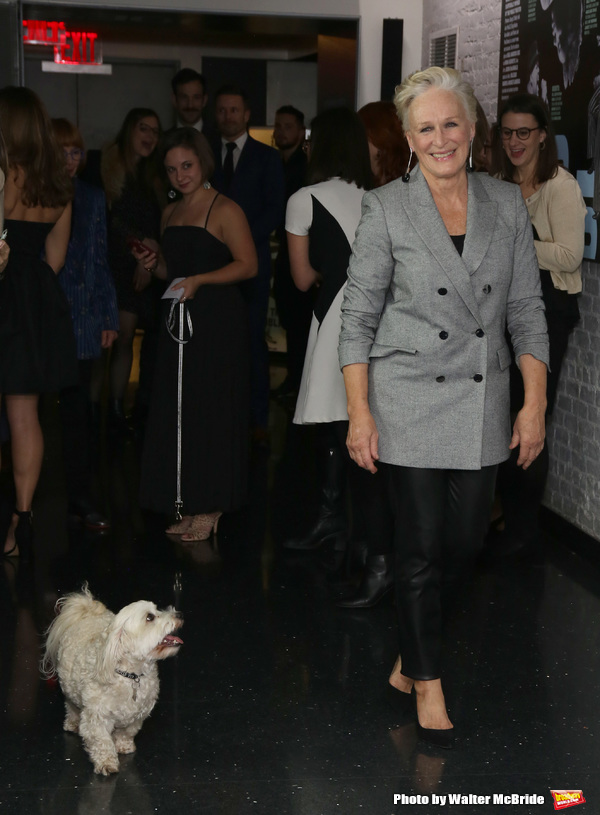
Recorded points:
(440,379)
(480,332)
(487,288)
(443,335)
(442,291)
(478,378)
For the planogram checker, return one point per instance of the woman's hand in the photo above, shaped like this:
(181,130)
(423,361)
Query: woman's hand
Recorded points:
(107,338)
(362,440)
(529,431)
(188,287)
(149,257)
(147,264)
(4,253)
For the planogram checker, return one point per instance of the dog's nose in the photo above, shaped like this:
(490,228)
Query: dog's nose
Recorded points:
(179,615)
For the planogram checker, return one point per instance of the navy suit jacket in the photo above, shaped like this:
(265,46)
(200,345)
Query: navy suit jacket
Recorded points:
(258,187)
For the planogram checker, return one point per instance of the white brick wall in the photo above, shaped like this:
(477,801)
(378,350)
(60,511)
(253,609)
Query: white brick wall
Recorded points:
(573,489)
(478,42)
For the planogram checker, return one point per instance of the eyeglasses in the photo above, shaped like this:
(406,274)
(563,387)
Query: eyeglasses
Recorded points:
(73,155)
(144,128)
(523,133)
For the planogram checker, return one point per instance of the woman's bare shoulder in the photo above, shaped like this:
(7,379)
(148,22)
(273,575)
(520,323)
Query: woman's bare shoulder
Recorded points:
(224,209)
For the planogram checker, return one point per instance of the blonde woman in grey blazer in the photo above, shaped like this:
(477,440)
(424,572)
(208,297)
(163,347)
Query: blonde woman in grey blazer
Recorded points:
(442,263)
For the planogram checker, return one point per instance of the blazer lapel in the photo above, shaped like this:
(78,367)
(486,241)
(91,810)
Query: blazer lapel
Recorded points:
(481,215)
(427,221)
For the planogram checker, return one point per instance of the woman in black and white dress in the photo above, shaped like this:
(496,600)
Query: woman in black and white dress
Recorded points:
(321,220)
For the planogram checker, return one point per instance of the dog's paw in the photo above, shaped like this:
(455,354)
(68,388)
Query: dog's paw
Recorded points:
(107,767)
(71,726)
(124,745)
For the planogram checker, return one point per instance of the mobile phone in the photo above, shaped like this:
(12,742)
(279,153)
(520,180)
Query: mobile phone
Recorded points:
(3,235)
(135,243)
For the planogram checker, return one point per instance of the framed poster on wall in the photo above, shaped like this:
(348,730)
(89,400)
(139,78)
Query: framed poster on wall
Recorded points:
(551,48)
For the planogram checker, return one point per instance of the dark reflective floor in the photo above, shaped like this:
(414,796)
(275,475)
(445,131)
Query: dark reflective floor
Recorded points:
(275,703)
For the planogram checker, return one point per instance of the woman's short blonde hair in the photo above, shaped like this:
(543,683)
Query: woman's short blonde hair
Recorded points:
(445,79)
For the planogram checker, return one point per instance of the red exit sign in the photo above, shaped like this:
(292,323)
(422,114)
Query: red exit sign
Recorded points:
(70,47)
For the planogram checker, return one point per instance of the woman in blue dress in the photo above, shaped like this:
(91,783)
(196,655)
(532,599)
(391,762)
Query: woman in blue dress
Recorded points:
(87,282)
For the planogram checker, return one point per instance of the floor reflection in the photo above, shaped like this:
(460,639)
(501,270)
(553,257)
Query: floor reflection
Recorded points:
(275,703)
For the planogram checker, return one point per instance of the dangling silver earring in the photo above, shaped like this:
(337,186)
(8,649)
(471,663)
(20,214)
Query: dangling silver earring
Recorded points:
(470,164)
(406,176)
(171,194)
(207,185)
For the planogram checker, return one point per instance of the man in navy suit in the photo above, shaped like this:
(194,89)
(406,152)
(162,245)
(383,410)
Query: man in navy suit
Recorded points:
(251,174)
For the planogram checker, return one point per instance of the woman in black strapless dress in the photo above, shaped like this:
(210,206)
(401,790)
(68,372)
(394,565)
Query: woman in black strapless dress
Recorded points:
(207,242)
(37,344)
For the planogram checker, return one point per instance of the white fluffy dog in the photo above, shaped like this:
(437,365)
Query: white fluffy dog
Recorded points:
(106,665)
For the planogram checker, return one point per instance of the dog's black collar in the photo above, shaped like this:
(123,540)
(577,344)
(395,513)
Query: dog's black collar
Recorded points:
(133,677)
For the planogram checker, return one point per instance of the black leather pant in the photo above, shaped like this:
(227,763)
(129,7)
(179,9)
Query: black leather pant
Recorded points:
(440,520)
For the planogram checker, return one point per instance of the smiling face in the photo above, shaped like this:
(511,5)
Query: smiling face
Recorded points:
(189,102)
(183,170)
(439,133)
(144,137)
(231,116)
(523,153)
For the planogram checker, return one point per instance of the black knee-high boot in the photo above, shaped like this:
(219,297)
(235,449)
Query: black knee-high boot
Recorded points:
(377,581)
(331,517)
(371,516)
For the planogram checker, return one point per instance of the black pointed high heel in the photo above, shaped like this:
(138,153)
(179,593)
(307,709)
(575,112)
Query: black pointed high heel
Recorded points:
(23,536)
(437,738)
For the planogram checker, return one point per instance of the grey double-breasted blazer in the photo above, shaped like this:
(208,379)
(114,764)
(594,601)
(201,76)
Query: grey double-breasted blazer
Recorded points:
(431,323)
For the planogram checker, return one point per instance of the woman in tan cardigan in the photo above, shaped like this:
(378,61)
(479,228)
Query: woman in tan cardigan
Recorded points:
(525,153)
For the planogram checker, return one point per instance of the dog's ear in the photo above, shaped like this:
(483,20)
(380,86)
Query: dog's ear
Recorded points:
(117,644)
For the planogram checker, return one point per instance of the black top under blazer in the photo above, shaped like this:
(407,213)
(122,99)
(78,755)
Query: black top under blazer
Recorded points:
(431,323)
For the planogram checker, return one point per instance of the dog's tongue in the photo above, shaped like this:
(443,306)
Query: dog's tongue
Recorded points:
(171,640)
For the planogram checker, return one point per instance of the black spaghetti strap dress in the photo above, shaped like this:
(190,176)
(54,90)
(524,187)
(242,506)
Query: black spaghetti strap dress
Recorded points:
(215,383)
(38,353)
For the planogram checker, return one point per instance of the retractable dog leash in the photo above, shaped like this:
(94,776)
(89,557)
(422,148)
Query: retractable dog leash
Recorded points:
(184,317)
